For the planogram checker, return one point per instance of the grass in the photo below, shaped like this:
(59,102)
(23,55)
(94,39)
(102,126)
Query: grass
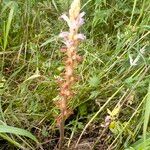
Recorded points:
(110,75)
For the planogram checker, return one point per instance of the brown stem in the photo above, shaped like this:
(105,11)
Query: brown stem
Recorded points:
(62,123)
(61,130)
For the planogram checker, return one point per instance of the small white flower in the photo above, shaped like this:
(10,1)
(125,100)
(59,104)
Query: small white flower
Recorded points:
(107,122)
(132,62)
(82,14)
(65,18)
(142,50)
(79,21)
(80,36)
(64,35)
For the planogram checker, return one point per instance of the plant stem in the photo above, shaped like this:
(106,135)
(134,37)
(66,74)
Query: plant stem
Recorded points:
(61,130)
(62,123)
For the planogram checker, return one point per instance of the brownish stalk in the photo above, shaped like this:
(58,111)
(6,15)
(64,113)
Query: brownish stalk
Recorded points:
(71,40)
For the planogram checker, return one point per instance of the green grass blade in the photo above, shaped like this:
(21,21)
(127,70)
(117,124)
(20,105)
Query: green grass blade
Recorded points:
(11,141)
(17,131)
(147,115)
(138,145)
(7,5)
(134,5)
(8,25)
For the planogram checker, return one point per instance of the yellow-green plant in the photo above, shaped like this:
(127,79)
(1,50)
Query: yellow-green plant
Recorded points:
(71,41)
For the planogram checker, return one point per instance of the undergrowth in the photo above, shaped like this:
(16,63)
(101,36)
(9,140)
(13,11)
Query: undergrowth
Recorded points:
(113,76)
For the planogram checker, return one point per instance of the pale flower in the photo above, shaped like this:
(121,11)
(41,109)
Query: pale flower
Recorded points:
(80,37)
(79,21)
(65,18)
(64,35)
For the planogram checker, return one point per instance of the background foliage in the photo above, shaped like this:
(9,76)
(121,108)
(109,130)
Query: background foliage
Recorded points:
(114,74)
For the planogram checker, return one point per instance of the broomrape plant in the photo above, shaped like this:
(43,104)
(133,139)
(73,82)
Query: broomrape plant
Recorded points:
(71,40)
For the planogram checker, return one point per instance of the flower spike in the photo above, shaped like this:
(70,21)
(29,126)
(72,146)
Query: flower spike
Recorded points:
(71,40)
